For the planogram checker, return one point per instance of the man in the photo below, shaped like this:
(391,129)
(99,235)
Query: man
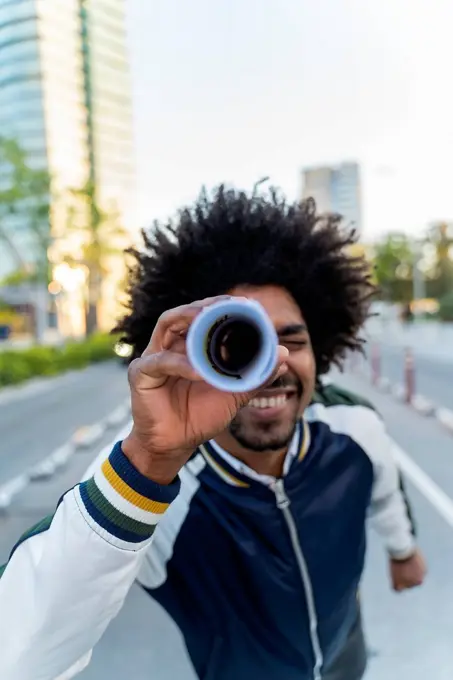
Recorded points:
(244,522)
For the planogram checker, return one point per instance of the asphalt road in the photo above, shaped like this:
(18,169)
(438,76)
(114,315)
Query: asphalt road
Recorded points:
(433,377)
(37,421)
(409,635)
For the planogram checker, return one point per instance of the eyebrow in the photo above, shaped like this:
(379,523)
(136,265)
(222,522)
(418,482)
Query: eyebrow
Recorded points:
(292,329)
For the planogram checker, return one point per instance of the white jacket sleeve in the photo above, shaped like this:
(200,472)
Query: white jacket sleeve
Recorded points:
(388,510)
(69,576)
(388,513)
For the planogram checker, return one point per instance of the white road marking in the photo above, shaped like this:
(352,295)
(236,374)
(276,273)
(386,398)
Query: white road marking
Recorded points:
(88,436)
(118,416)
(430,490)
(45,468)
(11,488)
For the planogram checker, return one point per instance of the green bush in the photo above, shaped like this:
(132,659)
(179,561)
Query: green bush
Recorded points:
(42,360)
(73,355)
(19,365)
(13,368)
(446,307)
(100,347)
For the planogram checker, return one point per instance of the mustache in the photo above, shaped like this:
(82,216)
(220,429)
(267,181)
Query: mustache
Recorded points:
(285,382)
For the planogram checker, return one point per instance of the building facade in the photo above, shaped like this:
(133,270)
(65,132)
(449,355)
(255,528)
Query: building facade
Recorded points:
(336,189)
(65,96)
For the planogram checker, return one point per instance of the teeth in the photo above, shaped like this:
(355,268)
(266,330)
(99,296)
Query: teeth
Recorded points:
(268,402)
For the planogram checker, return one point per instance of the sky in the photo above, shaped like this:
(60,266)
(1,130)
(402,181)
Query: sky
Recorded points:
(236,90)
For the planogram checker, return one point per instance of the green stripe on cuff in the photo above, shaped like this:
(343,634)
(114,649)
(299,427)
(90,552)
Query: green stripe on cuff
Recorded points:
(2,570)
(114,515)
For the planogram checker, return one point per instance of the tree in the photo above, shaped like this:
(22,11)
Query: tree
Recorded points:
(102,237)
(25,193)
(393,266)
(439,237)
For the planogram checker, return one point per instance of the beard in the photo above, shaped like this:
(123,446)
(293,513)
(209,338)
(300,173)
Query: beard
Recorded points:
(262,438)
(268,436)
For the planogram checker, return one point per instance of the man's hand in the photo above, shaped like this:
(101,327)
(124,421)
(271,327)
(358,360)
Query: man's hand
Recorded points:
(408,573)
(173,409)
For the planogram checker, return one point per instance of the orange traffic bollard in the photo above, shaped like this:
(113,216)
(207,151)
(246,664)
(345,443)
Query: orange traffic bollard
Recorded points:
(409,375)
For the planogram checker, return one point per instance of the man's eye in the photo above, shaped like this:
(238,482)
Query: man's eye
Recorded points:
(294,344)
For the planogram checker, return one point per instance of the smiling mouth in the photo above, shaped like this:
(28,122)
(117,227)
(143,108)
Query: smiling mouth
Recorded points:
(269,402)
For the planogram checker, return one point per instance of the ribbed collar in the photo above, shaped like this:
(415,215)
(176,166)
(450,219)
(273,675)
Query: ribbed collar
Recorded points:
(236,473)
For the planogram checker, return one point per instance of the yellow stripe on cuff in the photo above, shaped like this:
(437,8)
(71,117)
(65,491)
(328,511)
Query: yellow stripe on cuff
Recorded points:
(129,494)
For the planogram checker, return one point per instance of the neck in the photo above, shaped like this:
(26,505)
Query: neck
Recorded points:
(263,462)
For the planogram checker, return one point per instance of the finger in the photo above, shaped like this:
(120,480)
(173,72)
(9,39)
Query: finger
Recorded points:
(152,371)
(176,343)
(177,319)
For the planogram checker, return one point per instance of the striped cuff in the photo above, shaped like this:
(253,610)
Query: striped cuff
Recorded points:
(122,504)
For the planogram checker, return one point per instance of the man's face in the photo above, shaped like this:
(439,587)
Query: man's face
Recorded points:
(267,422)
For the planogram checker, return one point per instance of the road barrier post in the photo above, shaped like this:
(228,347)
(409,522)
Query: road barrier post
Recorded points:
(409,375)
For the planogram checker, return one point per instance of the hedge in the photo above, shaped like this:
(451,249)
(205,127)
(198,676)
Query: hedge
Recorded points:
(19,365)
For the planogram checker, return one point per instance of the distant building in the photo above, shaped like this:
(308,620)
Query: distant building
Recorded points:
(336,189)
(65,95)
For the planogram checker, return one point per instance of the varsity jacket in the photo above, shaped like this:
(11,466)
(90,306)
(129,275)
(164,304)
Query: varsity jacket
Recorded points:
(249,576)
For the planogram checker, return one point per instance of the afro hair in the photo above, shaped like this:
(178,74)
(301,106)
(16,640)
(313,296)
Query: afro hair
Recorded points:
(231,238)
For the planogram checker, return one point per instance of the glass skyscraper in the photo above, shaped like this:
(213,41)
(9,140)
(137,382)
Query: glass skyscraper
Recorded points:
(65,95)
(336,189)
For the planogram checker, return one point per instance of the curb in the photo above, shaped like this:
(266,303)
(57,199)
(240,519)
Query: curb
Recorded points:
(384,384)
(444,417)
(398,392)
(423,406)
(82,439)
(419,403)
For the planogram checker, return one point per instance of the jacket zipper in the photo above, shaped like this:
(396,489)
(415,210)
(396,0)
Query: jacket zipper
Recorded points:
(283,504)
